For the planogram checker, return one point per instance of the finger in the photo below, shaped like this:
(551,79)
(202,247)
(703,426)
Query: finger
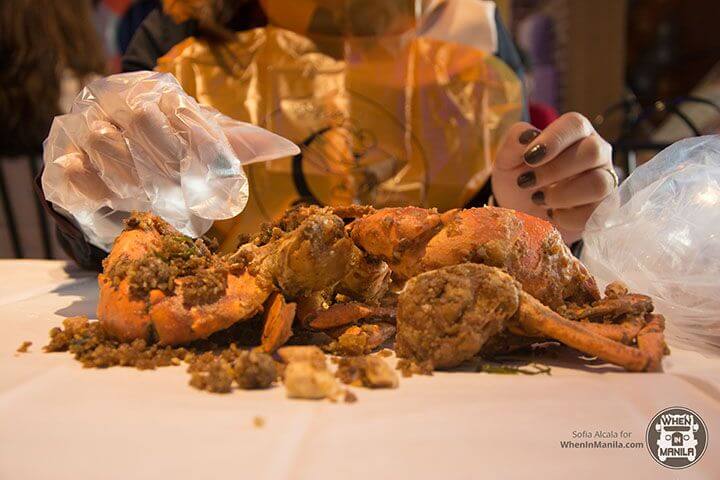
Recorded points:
(560,135)
(572,219)
(517,138)
(587,154)
(185,115)
(251,143)
(151,131)
(210,153)
(213,183)
(79,176)
(106,149)
(69,179)
(588,187)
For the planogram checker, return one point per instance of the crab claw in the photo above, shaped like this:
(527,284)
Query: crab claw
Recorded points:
(539,320)
(447,315)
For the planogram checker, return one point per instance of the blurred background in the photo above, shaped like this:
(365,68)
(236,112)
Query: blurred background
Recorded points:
(647,72)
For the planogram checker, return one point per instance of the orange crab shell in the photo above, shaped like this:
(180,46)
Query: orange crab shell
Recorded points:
(173,322)
(122,317)
(414,240)
(127,319)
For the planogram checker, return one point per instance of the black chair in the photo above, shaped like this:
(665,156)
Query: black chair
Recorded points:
(635,120)
(33,161)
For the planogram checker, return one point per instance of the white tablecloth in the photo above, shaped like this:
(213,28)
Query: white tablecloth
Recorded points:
(60,421)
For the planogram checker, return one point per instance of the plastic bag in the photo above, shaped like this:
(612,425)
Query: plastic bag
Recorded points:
(660,234)
(137,141)
(392,102)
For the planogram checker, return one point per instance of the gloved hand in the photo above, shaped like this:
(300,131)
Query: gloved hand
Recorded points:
(560,174)
(137,141)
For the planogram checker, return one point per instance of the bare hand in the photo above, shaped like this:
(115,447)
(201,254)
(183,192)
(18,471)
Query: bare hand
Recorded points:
(561,173)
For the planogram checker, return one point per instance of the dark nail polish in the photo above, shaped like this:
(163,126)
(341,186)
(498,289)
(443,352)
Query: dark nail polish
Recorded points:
(538,198)
(535,154)
(528,136)
(526,180)
(549,213)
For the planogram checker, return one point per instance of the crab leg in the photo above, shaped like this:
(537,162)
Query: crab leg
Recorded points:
(624,332)
(539,320)
(611,308)
(341,314)
(651,340)
(278,323)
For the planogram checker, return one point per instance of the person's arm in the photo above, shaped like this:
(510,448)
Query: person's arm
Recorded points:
(69,236)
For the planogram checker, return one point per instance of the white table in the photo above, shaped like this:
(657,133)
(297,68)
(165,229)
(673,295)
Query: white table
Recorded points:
(60,421)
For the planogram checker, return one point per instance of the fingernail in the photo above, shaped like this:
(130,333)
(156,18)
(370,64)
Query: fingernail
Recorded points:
(538,198)
(528,136)
(526,180)
(549,213)
(535,154)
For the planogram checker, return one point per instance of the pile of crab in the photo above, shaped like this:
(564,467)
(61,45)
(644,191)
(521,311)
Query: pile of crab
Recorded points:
(442,287)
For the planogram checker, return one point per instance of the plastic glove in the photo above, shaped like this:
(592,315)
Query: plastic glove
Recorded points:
(560,174)
(137,141)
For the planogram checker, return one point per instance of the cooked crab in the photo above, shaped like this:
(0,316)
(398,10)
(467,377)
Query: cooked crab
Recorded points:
(158,284)
(311,271)
(525,249)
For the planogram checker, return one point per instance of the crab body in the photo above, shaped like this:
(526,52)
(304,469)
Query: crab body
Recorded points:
(414,240)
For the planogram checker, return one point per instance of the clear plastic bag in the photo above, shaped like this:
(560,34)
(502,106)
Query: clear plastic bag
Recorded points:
(392,102)
(137,141)
(660,234)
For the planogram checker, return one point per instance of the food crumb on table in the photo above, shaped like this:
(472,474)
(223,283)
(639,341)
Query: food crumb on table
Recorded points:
(258,421)
(23,348)
(367,371)
(350,397)
(308,381)
(408,368)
